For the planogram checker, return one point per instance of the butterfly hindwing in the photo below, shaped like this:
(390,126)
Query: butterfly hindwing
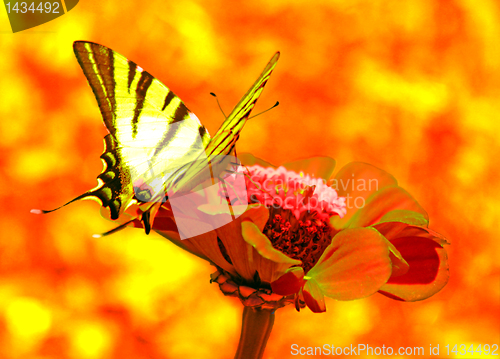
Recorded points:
(114,185)
(114,189)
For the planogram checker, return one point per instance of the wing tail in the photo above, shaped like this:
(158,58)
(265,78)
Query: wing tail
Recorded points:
(100,194)
(114,189)
(86,195)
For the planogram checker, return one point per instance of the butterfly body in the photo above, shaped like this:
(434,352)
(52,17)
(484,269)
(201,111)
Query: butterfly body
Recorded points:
(155,144)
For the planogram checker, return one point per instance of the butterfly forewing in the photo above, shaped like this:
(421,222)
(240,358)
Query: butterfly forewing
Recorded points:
(230,129)
(153,131)
(222,144)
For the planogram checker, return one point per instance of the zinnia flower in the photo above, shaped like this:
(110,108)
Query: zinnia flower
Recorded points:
(293,237)
(303,238)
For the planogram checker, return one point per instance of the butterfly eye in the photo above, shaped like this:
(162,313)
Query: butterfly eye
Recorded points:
(143,195)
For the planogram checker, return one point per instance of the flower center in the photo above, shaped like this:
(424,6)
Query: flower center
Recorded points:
(299,211)
(301,239)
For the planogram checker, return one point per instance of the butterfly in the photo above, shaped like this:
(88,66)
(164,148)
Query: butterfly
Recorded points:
(155,144)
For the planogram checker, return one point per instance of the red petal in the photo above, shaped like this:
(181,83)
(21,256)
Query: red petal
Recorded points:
(357,181)
(399,265)
(164,225)
(393,230)
(262,257)
(319,167)
(258,215)
(428,271)
(390,230)
(290,282)
(164,221)
(406,216)
(416,231)
(381,203)
(355,265)
(314,297)
(236,248)
(248,159)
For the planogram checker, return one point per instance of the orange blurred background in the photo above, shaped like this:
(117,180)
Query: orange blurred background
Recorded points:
(412,87)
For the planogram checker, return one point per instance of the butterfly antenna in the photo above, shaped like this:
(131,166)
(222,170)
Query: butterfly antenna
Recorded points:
(275,105)
(217,99)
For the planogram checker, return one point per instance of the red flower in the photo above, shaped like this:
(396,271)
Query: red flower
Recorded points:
(420,267)
(302,238)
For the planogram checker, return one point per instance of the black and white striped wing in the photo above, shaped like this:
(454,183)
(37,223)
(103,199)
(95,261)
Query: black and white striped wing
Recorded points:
(151,132)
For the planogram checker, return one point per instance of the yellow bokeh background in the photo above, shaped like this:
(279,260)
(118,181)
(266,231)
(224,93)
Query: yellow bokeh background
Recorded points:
(412,87)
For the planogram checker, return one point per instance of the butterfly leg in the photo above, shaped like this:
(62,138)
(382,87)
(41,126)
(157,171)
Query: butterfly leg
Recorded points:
(114,230)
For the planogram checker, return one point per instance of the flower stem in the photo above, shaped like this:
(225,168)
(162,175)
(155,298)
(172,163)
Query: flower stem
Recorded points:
(255,330)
